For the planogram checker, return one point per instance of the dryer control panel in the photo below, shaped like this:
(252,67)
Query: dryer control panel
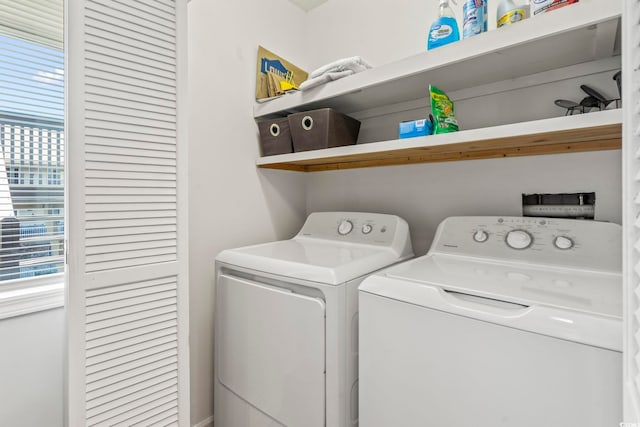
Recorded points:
(358,227)
(590,245)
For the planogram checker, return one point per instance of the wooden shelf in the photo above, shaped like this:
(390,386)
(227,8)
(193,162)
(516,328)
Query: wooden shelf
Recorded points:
(583,32)
(585,132)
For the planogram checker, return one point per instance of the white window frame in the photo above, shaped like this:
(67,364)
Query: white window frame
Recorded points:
(31,295)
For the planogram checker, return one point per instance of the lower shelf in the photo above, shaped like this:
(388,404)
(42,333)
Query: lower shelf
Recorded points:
(585,132)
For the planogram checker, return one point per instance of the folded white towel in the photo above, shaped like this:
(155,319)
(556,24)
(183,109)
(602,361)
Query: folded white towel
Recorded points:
(355,64)
(324,78)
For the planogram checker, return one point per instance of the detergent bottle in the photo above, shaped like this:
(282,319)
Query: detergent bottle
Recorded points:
(509,13)
(445,29)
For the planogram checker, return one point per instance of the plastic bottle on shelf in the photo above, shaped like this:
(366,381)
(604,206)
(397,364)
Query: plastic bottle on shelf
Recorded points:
(445,29)
(473,12)
(509,13)
(540,7)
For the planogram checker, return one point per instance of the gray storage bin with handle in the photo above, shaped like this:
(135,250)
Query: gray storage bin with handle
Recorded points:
(275,136)
(323,128)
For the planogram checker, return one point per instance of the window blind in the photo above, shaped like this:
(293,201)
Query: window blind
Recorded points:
(39,21)
(31,139)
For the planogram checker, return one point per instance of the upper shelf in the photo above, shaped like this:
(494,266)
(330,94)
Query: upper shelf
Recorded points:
(585,31)
(585,132)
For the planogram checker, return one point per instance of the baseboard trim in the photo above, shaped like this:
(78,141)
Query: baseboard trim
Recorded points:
(207,422)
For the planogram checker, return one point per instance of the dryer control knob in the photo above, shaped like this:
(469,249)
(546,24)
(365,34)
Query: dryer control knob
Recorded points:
(345,227)
(519,239)
(367,228)
(480,236)
(563,243)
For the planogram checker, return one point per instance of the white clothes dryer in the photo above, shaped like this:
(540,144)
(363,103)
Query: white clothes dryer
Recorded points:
(513,322)
(286,321)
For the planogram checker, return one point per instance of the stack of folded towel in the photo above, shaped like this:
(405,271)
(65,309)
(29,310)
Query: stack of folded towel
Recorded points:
(334,71)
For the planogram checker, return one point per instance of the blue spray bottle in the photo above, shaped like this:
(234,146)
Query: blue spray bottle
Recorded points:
(445,29)
(473,17)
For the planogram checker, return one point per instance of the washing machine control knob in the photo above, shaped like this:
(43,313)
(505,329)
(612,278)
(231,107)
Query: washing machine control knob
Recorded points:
(345,227)
(480,236)
(367,228)
(563,242)
(519,239)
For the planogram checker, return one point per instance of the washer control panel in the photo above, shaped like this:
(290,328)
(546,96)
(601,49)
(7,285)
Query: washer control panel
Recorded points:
(357,227)
(563,242)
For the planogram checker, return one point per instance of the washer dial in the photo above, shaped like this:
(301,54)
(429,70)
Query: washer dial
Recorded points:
(345,227)
(367,228)
(480,236)
(563,243)
(519,239)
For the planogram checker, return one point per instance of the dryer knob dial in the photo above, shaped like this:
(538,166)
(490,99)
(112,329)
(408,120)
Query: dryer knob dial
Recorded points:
(563,243)
(480,236)
(519,239)
(345,227)
(367,228)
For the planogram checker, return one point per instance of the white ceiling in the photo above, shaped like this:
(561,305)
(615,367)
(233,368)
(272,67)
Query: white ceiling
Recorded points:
(307,5)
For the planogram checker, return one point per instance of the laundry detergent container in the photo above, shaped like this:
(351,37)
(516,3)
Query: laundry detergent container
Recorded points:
(275,136)
(323,128)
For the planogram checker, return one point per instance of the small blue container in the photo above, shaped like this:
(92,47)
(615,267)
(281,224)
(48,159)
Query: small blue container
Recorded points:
(413,128)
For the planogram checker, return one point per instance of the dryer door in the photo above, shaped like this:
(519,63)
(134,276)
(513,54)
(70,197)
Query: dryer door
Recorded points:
(271,350)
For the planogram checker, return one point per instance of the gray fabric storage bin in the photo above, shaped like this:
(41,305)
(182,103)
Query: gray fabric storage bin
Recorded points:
(323,128)
(275,136)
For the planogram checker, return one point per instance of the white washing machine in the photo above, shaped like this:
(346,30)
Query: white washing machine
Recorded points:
(505,322)
(286,349)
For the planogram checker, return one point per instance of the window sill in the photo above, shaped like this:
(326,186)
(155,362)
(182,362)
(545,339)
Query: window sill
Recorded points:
(31,299)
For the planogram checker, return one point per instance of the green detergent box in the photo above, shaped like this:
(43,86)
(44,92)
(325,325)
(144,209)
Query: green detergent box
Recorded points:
(413,128)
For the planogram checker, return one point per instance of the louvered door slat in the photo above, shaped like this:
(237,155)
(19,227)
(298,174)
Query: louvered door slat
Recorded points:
(134,328)
(106,242)
(159,5)
(106,389)
(99,233)
(130,392)
(128,294)
(631,207)
(128,283)
(105,12)
(126,175)
(128,343)
(160,416)
(136,405)
(109,133)
(131,262)
(130,118)
(105,383)
(102,59)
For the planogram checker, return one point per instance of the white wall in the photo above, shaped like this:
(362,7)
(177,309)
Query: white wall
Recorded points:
(31,369)
(232,203)
(426,194)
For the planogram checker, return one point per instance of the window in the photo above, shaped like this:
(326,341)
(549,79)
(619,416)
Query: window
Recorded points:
(31,139)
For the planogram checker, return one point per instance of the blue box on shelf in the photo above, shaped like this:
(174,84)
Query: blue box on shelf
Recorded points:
(413,128)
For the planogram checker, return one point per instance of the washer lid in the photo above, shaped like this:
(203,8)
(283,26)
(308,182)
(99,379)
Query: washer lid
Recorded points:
(583,291)
(311,259)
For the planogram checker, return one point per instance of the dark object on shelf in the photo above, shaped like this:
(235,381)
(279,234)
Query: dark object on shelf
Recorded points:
(584,106)
(323,128)
(275,136)
(618,78)
(569,105)
(562,205)
(594,99)
(602,101)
